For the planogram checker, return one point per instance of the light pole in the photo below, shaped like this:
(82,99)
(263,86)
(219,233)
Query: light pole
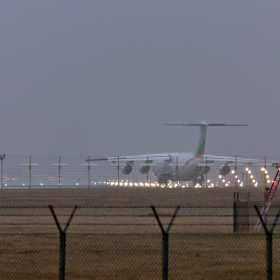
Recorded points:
(248,178)
(2,158)
(220,180)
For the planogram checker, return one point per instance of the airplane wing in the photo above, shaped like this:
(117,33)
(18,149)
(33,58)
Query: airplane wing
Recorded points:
(238,161)
(208,160)
(149,158)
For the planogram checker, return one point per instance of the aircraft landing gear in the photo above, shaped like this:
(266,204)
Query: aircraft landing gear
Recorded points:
(163,179)
(199,180)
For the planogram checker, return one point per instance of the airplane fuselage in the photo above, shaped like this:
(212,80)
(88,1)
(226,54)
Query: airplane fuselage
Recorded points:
(183,169)
(179,166)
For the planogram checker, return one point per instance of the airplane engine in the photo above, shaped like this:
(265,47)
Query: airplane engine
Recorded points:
(206,170)
(127,169)
(224,170)
(144,169)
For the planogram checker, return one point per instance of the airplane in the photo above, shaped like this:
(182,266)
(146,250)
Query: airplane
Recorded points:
(181,166)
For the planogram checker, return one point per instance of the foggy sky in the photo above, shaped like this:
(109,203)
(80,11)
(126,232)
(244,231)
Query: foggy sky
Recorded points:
(101,78)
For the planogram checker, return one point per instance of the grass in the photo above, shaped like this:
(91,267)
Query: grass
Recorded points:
(198,251)
(131,256)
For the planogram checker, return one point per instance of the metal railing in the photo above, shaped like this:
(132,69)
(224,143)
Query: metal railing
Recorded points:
(126,243)
(70,171)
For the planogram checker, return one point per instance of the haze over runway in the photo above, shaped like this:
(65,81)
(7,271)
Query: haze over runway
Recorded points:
(101,78)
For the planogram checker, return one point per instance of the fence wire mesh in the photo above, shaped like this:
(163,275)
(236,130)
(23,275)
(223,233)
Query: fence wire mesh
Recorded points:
(73,171)
(29,256)
(131,256)
(28,252)
(114,233)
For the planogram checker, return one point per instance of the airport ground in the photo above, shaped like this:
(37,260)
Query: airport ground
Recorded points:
(202,209)
(126,196)
(122,254)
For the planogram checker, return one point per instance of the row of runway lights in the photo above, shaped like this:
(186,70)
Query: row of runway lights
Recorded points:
(221,182)
(170,185)
(251,180)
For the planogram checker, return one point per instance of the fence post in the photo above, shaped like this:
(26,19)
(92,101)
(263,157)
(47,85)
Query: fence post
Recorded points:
(62,238)
(147,171)
(235,203)
(29,167)
(165,237)
(206,177)
(88,172)
(268,234)
(2,158)
(118,171)
(59,172)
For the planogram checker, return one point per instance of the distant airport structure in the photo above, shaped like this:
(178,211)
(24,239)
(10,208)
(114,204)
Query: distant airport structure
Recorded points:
(151,170)
(187,167)
(60,172)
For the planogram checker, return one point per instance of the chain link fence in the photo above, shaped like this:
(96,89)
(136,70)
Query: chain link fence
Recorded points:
(127,243)
(76,171)
(131,256)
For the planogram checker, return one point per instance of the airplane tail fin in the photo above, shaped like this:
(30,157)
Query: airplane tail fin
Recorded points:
(202,134)
(201,140)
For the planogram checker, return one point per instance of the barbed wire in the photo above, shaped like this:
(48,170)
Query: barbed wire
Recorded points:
(129,207)
(118,224)
(136,216)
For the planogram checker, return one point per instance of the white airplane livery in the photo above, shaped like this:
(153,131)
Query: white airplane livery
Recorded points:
(180,166)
